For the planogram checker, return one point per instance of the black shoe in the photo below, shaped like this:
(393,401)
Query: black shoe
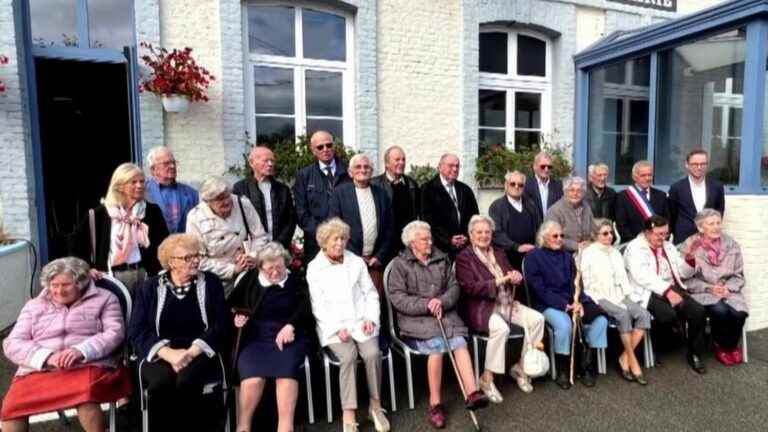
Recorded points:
(640,379)
(563,371)
(696,364)
(563,380)
(588,378)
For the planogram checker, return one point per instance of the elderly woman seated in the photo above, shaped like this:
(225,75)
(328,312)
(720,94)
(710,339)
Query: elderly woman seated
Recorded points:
(488,304)
(717,283)
(272,307)
(550,272)
(606,282)
(63,343)
(229,228)
(573,214)
(423,290)
(178,323)
(346,307)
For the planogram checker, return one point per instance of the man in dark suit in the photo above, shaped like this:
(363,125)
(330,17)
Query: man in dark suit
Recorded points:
(270,197)
(542,189)
(639,202)
(600,197)
(446,205)
(692,194)
(403,192)
(516,218)
(313,187)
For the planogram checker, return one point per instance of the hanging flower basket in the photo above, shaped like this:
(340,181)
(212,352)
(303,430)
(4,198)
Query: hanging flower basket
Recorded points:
(3,61)
(176,77)
(175,103)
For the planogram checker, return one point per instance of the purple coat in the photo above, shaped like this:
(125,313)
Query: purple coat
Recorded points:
(478,287)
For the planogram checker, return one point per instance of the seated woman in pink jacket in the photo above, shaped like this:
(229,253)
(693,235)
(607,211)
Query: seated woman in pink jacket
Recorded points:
(63,342)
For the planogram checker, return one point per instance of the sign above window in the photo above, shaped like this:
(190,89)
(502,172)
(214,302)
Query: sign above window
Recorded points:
(665,5)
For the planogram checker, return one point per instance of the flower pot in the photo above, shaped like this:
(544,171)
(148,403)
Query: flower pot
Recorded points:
(175,103)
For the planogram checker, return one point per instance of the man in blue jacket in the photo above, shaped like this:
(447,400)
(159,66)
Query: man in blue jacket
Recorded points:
(174,199)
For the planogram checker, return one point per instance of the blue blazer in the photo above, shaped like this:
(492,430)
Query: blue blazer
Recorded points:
(531,190)
(188,199)
(682,210)
(345,206)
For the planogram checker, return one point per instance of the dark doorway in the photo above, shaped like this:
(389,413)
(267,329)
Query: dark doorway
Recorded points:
(84,133)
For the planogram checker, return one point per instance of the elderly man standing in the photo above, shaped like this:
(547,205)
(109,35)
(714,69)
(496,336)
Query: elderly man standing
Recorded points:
(402,190)
(639,202)
(447,205)
(573,214)
(516,218)
(174,199)
(600,197)
(690,195)
(542,188)
(367,210)
(314,186)
(270,197)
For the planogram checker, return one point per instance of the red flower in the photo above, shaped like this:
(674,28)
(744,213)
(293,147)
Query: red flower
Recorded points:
(3,61)
(175,72)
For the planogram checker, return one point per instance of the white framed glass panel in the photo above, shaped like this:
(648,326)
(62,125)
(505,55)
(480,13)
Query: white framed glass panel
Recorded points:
(531,56)
(324,35)
(110,23)
(493,52)
(54,23)
(324,93)
(273,90)
(271,30)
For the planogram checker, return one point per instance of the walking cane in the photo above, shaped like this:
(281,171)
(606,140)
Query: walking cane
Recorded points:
(236,352)
(456,370)
(575,318)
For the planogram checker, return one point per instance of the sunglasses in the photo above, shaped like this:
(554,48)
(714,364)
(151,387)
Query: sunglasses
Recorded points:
(545,167)
(606,233)
(324,146)
(515,184)
(557,236)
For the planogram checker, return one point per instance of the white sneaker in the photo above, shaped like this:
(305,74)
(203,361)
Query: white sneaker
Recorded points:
(380,422)
(349,427)
(490,390)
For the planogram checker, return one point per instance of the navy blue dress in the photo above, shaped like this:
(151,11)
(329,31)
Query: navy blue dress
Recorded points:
(259,356)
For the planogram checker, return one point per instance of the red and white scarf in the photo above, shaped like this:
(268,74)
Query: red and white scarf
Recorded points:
(640,202)
(129,232)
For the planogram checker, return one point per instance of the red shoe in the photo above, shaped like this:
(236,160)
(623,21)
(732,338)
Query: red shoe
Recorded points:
(436,416)
(723,356)
(737,357)
(476,400)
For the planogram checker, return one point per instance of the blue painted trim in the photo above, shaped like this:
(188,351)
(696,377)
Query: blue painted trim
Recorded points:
(754,104)
(653,97)
(22,21)
(133,103)
(581,132)
(99,55)
(83,32)
(12,248)
(731,14)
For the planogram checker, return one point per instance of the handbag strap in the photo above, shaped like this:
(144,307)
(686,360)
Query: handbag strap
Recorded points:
(245,221)
(92,230)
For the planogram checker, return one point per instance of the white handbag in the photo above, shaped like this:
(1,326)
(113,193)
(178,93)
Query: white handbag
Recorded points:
(535,362)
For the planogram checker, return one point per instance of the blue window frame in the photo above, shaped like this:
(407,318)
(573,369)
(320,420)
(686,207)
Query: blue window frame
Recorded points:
(728,110)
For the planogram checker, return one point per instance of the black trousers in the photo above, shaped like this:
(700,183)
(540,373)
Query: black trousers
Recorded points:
(727,324)
(689,310)
(177,401)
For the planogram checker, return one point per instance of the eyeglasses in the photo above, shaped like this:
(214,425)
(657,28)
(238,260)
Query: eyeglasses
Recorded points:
(515,184)
(324,146)
(557,236)
(545,167)
(190,258)
(699,165)
(362,167)
(167,163)
(606,233)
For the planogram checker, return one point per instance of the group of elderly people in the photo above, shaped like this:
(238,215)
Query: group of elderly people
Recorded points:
(192,290)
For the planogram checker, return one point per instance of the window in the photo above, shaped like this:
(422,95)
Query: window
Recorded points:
(515,87)
(700,105)
(300,73)
(618,116)
(109,23)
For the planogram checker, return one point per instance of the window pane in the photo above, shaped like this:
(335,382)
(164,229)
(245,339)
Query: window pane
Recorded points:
(325,36)
(273,90)
(694,110)
(531,56)
(271,30)
(489,137)
(335,127)
(324,96)
(493,52)
(527,110)
(526,140)
(274,129)
(492,108)
(54,22)
(616,74)
(110,23)
(638,116)
(613,115)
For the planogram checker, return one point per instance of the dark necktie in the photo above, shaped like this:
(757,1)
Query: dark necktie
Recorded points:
(329,174)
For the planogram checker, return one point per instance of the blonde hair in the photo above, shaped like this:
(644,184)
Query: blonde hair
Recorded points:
(334,226)
(122,175)
(166,249)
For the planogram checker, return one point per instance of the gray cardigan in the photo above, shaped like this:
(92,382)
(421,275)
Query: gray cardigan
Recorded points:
(410,287)
(567,216)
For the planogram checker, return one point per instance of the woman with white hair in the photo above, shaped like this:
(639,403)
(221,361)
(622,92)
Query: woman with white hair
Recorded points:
(718,282)
(550,273)
(229,229)
(423,289)
(573,214)
(121,235)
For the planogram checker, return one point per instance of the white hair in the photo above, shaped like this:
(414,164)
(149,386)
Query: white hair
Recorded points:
(572,181)
(214,187)
(594,167)
(156,151)
(410,230)
(544,231)
(479,218)
(76,267)
(705,214)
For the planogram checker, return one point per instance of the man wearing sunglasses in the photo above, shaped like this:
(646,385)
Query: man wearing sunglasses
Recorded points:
(517,219)
(542,188)
(313,187)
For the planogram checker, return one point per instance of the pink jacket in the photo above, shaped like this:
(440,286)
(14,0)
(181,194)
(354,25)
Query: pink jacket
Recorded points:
(93,325)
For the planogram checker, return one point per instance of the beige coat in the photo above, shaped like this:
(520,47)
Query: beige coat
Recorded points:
(641,269)
(603,274)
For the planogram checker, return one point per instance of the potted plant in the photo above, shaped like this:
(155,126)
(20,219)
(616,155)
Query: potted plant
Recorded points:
(176,77)
(3,61)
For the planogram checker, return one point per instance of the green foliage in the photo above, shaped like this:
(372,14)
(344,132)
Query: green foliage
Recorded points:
(290,156)
(422,173)
(497,160)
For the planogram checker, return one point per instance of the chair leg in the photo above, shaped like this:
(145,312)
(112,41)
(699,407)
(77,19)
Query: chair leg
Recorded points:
(601,361)
(392,395)
(477,358)
(552,363)
(112,417)
(409,373)
(650,361)
(145,412)
(310,403)
(744,350)
(328,402)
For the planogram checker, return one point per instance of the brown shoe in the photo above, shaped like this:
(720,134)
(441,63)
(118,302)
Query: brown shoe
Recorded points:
(436,416)
(476,400)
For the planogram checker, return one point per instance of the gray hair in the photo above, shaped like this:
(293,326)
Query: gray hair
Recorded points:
(330,227)
(598,224)
(76,267)
(357,157)
(479,218)
(541,155)
(544,231)
(272,251)
(640,164)
(705,214)
(389,150)
(156,151)
(410,230)
(508,176)
(571,181)
(214,187)
(594,167)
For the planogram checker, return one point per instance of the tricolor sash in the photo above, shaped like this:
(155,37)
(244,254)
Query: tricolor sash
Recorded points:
(640,202)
